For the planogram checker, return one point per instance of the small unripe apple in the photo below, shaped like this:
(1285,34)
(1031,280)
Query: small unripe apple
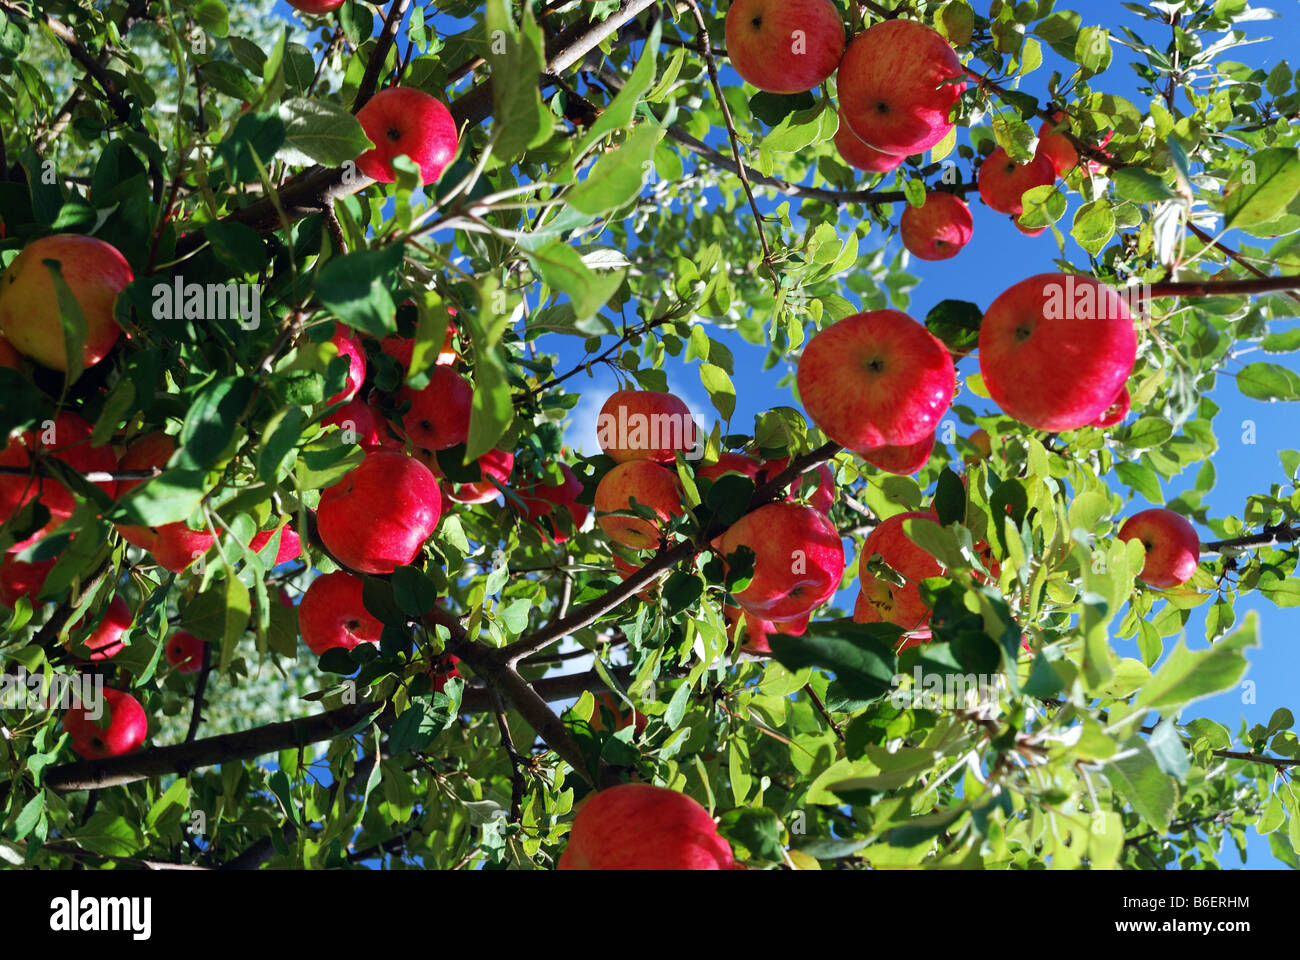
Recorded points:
(333,614)
(184,651)
(378,516)
(403,120)
(938,229)
(784,46)
(120,729)
(637,826)
(1172,547)
(95,272)
(651,485)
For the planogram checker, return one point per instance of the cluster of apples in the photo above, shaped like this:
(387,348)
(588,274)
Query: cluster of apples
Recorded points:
(798,556)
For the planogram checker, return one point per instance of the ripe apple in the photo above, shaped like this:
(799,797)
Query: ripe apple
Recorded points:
(1056,147)
(798,559)
(290,544)
(377,517)
(652,486)
(120,729)
(1117,411)
(67,439)
(403,120)
(938,229)
(349,345)
(885,601)
(494,464)
(903,461)
(439,414)
(876,379)
(1055,350)
(364,422)
(317,7)
(1173,548)
(543,499)
(332,614)
(174,546)
(857,154)
(18,578)
(1003,182)
(895,88)
(622,717)
(644,425)
(105,641)
(442,670)
(148,451)
(637,826)
(95,273)
(757,630)
(9,357)
(626,570)
(823,496)
(1027,231)
(402,349)
(729,462)
(784,46)
(184,651)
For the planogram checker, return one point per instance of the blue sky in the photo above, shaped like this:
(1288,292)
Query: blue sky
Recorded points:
(997,257)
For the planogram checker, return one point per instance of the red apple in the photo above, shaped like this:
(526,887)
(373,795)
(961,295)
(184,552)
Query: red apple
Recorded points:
(903,461)
(438,418)
(9,357)
(332,614)
(1055,350)
(652,486)
(644,425)
(636,826)
(403,120)
(543,499)
(378,516)
(784,46)
(757,630)
(798,559)
(290,544)
(317,7)
(184,651)
(823,496)
(1056,147)
(349,346)
(493,464)
(939,229)
(729,462)
(105,641)
(148,451)
(895,88)
(1003,182)
(876,379)
(857,154)
(362,420)
(96,736)
(1117,411)
(1173,548)
(95,272)
(174,546)
(19,578)
(882,600)
(626,570)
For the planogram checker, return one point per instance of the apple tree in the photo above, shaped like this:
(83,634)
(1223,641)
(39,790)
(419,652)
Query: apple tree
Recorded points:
(297,313)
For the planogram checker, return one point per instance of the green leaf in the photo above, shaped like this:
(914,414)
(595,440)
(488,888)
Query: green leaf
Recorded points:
(1187,675)
(617,177)
(71,319)
(561,267)
(1141,478)
(492,410)
(860,655)
(278,449)
(355,288)
(516,61)
(956,323)
(210,424)
(1094,225)
(722,393)
(1148,432)
(1138,778)
(1262,188)
(1140,186)
(168,498)
(255,135)
(757,829)
(1268,381)
(318,131)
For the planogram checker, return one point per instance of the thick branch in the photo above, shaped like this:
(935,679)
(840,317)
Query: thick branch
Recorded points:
(1271,536)
(1221,288)
(370,78)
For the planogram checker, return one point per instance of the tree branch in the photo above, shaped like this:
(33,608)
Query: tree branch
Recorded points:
(369,79)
